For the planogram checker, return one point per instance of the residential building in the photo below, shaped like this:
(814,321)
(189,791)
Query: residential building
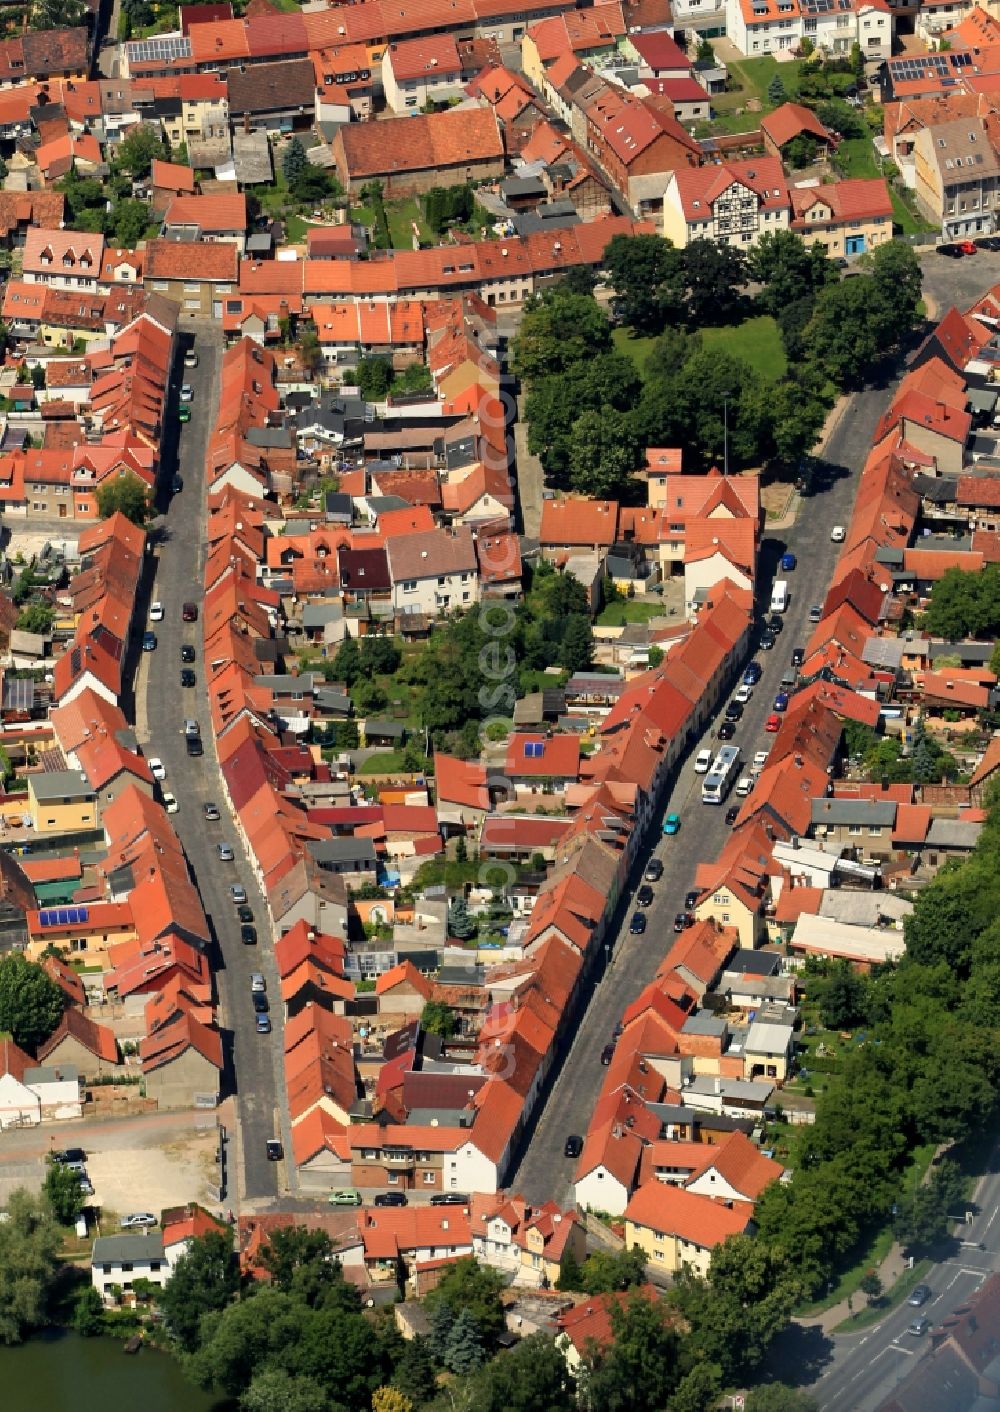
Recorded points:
(733,203)
(410,155)
(117,1261)
(61,802)
(195,274)
(957,175)
(416,72)
(433,572)
(676,1227)
(848,217)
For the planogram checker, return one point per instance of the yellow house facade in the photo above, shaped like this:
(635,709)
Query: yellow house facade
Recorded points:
(60,802)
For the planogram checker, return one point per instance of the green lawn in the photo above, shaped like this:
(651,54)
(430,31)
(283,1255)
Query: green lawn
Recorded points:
(295,229)
(632,610)
(401,214)
(627,341)
(856,157)
(757,341)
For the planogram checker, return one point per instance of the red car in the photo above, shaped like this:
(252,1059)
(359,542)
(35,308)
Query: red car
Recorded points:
(968,247)
(773,723)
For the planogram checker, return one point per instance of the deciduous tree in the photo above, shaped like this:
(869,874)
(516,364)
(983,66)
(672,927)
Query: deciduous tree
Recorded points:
(204,1281)
(31,1004)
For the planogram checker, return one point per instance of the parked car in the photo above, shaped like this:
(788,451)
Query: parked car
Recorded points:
(732,814)
(177,485)
(184,414)
(450,1198)
(798,656)
(672,824)
(187,392)
(919,1295)
(682,921)
(703,762)
(191,727)
(248,935)
(781,701)
(156,612)
(189,613)
(744,785)
(767,640)
(952,251)
(727,730)
(257,983)
(654,870)
(345,1196)
(211,812)
(274,1150)
(775,623)
(788,562)
(188,677)
(574,1145)
(690,899)
(390,1198)
(838,534)
(190,359)
(742,694)
(170,802)
(243,912)
(773,723)
(138,1221)
(607,1054)
(149,642)
(68,1155)
(968,247)
(157,768)
(260,1003)
(187,652)
(753,674)
(816,613)
(988,242)
(759,761)
(644,896)
(734,711)
(194,746)
(237,893)
(225,853)
(263,1024)
(638,923)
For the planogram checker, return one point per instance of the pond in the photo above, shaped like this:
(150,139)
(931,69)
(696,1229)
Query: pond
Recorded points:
(60,1372)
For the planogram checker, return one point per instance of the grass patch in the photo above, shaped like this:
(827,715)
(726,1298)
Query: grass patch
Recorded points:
(907,1281)
(401,214)
(295,229)
(856,157)
(634,346)
(632,610)
(384,762)
(756,341)
(871,1255)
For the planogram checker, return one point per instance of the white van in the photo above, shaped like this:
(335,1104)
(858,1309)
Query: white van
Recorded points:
(779,596)
(744,786)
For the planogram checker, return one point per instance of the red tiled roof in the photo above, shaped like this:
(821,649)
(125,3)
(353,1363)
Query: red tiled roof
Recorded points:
(671,1210)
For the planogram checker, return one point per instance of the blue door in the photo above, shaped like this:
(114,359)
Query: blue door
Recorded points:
(854,245)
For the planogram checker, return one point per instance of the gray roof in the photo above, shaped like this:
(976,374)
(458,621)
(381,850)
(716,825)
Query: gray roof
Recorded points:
(754,963)
(279,438)
(870,813)
(395,729)
(61,784)
(343,850)
(338,505)
(953,833)
(884,651)
(766,1037)
(18,693)
(283,682)
(703,1022)
(50,1074)
(130,1245)
(970,653)
(735,1090)
(317,615)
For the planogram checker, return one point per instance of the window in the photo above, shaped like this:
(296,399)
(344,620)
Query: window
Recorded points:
(429,1179)
(874,833)
(854,830)
(392,1178)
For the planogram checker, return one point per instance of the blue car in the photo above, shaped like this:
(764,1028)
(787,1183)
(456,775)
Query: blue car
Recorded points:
(752,674)
(672,824)
(149,642)
(263,1024)
(788,562)
(781,701)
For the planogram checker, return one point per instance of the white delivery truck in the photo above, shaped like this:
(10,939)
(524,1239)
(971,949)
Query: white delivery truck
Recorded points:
(779,596)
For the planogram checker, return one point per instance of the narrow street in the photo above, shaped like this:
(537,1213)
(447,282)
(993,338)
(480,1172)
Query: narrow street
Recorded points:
(253,1061)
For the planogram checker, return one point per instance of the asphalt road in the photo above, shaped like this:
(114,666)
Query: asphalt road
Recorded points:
(543,1171)
(857,1372)
(252,1060)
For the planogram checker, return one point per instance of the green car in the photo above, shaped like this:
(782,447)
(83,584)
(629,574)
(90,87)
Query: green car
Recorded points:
(672,824)
(346,1196)
(184,414)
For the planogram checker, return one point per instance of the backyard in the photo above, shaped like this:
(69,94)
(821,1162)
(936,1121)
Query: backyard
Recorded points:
(756,341)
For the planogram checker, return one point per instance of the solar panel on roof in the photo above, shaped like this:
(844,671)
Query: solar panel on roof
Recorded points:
(160,49)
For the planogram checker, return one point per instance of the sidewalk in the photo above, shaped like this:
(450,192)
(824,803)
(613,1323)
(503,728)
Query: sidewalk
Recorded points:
(894,1265)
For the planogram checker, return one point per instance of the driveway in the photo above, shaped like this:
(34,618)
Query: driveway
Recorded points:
(543,1171)
(162,704)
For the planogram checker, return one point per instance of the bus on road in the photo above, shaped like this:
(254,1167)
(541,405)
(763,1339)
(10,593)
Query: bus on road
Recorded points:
(719,780)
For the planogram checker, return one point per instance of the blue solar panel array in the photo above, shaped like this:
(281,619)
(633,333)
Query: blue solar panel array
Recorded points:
(63,916)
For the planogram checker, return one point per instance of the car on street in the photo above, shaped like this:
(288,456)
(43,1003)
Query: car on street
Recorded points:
(177,485)
(190,359)
(574,1145)
(187,392)
(189,613)
(654,870)
(156,767)
(450,1198)
(156,612)
(86,1186)
(732,814)
(638,923)
(918,1326)
(68,1155)
(257,983)
(988,242)
(194,746)
(788,562)
(137,1221)
(781,701)
(187,652)
(607,1054)
(188,677)
(838,534)
(775,623)
(390,1198)
(744,785)
(274,1150)
(260,1003)
(742,694)
(248,934)
(727,730)
(191,727)
(798,656)
(225,853)
(243,912)
(237,893)
(816,613)
(968,247)
(752,675)
(682,921)
(759,761)
(690,899)
(672,824)
(703,762)
(767,640)
(734,711)
(773,723)
(263,1024)
(211,812)
(919,1295)
(953,252)
(149,642)
(170,802)
(644,896)
(184,414)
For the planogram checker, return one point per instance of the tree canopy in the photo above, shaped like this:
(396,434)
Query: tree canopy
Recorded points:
(965,604)
(29,1246)
(125,494)
(31,1004)
(204,1281)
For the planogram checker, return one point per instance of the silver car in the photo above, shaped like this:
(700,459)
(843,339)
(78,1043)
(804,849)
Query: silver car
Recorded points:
(138,1221)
